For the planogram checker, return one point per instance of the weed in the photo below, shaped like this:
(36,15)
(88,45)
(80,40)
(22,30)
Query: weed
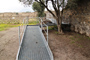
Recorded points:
(73,42)
(16,23)
(72,38)
(50,27)
(80,46)
(56,32)
(33,22)
(89,38)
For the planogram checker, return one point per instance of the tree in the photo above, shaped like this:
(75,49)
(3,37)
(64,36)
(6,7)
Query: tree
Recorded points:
(56,4)
(39,8)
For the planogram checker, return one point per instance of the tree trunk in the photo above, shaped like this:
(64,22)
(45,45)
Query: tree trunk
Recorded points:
(59,29)
(60,22)
(59,25)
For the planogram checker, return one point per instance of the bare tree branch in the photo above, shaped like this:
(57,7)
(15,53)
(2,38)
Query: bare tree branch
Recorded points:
(47,8)
(54,6)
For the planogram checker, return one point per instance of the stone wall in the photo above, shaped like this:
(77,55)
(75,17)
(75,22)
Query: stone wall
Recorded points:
(79,19)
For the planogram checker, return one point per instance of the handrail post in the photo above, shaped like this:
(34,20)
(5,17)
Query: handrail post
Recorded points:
(37,20)
(27,20)
(19,34)
(41,25)
(23,21)
(47,34)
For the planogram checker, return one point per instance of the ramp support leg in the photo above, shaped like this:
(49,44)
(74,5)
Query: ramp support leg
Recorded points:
(41,24)
(47,34)
(19,34)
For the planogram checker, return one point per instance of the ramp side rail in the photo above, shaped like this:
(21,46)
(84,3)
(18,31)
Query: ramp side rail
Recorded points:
(24,23)
(46,32)
(21,34)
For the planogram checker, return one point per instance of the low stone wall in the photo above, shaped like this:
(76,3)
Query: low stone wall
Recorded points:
(79,18)
(81,27)
(80,23)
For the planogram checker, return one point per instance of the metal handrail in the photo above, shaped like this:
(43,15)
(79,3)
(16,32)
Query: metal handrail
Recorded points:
(25,21)
(46,32)
(21,32)
(49,50)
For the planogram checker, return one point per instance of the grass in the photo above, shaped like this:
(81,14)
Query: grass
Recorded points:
(79,39)
(72,38)
(56,32)
(50,27)
(88,38)
(73,42)
(80,46)
(33,22)
(7,26)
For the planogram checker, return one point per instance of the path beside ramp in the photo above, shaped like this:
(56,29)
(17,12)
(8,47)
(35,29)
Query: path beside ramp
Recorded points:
(34,45)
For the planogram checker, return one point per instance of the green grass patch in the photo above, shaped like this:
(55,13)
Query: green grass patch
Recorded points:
(50,27)
(33,22)
(6,26)
(80,46)
(72,38)
(89,38)
(56,32)
(73,42)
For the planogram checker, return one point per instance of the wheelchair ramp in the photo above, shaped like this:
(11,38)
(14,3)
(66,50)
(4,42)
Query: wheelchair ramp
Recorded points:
(33,45)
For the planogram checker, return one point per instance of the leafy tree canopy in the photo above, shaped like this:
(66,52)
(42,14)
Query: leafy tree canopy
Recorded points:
(39,8)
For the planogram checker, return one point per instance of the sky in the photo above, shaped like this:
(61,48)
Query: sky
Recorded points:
(16,6)
(13,6)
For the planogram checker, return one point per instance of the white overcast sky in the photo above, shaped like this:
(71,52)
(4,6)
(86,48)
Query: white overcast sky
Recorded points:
(16,6)
(13,6)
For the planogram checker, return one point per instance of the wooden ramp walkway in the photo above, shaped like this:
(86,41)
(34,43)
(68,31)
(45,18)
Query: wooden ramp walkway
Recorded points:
(34,45)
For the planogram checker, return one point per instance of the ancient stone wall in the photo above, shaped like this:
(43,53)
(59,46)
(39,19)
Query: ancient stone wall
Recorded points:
(79,19)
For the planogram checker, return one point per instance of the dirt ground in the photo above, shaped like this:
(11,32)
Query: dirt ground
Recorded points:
(64,47)
(9,44)
(70,46)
